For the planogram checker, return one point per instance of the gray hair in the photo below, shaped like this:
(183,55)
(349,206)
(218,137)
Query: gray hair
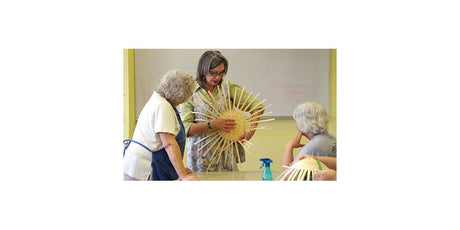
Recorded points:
(209,60)
(311,117)
(176,86)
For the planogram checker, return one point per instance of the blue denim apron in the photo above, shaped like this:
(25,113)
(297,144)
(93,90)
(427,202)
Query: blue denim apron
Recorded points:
(162,168)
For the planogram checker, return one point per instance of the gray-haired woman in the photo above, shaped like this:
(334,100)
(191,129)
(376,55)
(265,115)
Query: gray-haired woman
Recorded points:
(311,120)
(157,147)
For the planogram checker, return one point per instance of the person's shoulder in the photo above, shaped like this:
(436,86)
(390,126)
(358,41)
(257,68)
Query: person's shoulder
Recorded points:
(306,149)
(324,136)
(166,106)
(196,86)
(154,101)
(231,84)
(163,106)
(331,137)
(322,139)
(157,98)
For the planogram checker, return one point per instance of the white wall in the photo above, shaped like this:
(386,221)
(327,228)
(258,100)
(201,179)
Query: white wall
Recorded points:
(285,78)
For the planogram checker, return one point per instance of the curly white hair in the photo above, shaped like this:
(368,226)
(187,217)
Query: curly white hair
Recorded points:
(311,117)
(176,86)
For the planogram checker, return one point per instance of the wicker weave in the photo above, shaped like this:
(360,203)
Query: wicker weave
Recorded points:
(303,170)
(231,109)
(242,125)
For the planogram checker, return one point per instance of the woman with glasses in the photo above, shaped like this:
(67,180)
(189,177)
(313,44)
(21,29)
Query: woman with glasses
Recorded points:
(212,67)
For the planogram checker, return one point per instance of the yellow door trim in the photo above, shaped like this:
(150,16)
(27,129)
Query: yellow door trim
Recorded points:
(129,114)
(333,83)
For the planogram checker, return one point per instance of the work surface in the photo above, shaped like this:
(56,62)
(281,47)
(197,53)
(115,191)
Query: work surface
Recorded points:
(234,176)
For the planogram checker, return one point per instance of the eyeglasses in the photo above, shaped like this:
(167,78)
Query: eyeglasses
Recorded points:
(215,74)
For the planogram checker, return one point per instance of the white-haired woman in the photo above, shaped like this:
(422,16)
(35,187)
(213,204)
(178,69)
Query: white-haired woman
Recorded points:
(311,120)
(155,152)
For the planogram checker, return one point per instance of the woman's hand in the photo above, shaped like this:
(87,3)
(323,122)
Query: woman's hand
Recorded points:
(328,174)
(295,142)
(247,136)
(305,156)
(190,177)
(223,124)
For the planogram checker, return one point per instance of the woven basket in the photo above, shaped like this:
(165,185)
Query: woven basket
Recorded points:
(241,126)
(303,170)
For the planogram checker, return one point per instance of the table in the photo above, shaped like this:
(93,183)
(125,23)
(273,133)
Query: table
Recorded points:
(233,176)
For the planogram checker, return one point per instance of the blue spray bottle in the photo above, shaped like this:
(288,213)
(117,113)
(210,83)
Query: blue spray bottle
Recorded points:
(267,172)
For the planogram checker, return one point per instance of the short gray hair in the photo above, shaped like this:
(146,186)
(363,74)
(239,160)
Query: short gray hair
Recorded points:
(176,86)
(311,117)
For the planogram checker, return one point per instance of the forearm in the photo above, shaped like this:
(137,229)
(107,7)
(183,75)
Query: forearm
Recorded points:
(220,124)
(198,129)
(288,156)
(289,148)
(330,162)
(175,157)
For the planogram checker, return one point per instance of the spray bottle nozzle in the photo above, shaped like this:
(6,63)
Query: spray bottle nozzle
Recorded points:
(265,162)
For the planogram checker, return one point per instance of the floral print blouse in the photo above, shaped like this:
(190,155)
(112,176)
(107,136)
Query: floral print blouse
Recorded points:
(199,157)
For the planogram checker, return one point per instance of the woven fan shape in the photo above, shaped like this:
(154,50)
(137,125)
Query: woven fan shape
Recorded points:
(230,109)
(303,170)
